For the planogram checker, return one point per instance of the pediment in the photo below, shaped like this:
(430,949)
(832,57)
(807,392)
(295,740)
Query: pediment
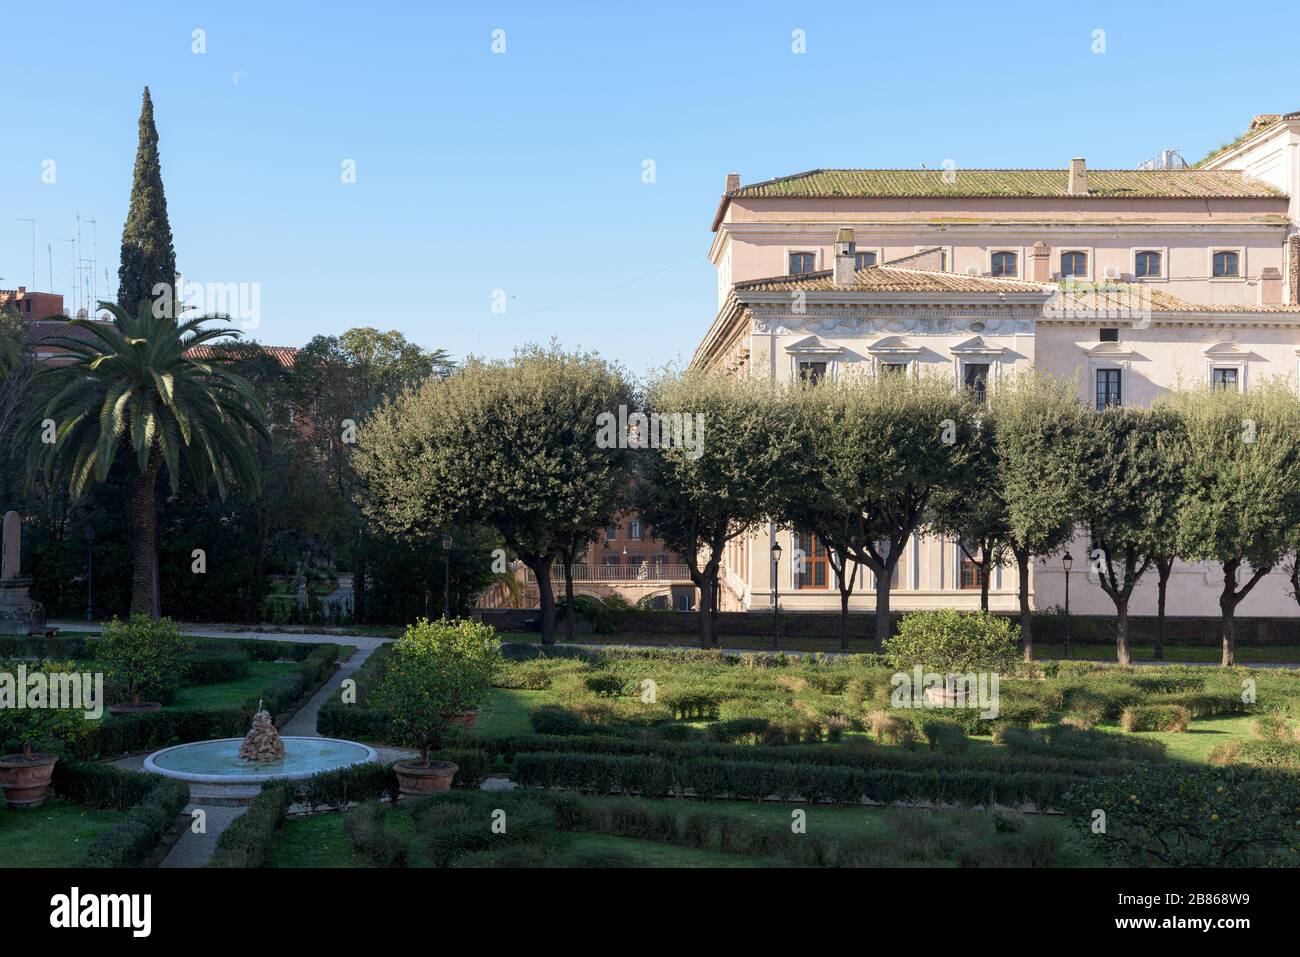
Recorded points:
(978,347)
(894,346)
(1226,350)
(812,345)
(1111,350)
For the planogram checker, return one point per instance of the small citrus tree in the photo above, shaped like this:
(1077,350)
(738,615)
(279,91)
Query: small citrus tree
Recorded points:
(48,726)
(438,669)
(144,655)
(952,642)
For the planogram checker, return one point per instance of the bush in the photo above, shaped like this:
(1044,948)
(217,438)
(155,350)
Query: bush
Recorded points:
(437,671)
(249,838)
(1156,717)
(210,666)
(945,737)
(604,684)
(144,655)
(1171,817)
(352,785)
(152,800)
(1067,741)
(1268,753)
(951,642)
(55,728)
(739,729)
(364,826)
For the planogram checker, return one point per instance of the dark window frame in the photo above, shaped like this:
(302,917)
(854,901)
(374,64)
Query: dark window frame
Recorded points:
(1073,256)
(1109,388)
(810,259)
(998,263)
(1142,264)
(1219,263)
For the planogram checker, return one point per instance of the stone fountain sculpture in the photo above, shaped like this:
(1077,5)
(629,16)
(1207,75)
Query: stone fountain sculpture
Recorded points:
(19,613)
(263,742)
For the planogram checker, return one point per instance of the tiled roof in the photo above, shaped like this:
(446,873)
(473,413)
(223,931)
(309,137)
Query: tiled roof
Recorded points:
(284,355)
(1029,183)
(41,331)
(892,279)
(1119,298)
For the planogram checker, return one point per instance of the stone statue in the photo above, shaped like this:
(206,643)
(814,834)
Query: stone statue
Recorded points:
(263,742)
(20,614)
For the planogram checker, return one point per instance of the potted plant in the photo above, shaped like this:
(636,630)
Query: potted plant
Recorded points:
(25,777)
(143,657)
(438,670)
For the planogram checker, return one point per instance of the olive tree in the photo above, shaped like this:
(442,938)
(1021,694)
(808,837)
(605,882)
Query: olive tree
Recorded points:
(722,481)
(1131,472)
(1241,500)
(514,445)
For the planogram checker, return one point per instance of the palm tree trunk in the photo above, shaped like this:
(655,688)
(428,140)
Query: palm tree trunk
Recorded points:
(144,543)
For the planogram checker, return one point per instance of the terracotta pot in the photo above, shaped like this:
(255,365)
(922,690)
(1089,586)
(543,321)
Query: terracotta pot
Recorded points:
(127,707)
(467,719)
(942,698)
(415,779)
(26,781)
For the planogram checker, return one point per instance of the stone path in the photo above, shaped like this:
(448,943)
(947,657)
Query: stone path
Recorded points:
(195,850)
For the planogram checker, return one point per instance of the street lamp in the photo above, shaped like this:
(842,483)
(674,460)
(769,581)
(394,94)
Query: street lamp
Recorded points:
(90,572)
(776,594)
(1067,560)
(446,575)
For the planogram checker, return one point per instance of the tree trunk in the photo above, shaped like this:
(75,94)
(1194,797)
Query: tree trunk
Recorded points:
(984,586)
(1228,606)
(844,618)
(144,542)
(704,583)
(1162,586)
(541,569)
(1122,653)
(1026,619)
(882,609)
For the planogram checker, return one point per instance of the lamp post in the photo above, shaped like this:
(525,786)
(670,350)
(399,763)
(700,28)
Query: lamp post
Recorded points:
(446,575)
(776,595)
(90,573)
(1067,560)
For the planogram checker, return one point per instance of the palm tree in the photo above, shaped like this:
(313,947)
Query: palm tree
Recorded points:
(137,382)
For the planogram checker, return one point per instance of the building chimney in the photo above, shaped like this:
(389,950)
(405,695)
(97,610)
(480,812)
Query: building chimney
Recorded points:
(1293,269)
(22,291)
(733,182)
(845,258)
(1078,177)
(1270,286)
(1040,263)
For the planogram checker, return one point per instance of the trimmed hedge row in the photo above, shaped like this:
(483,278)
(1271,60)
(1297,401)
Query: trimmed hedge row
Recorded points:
(859,754)
(249,838)
(756,780)
(211,666)
(152,800)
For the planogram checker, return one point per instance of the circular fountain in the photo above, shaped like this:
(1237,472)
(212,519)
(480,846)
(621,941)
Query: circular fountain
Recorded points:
(260,756)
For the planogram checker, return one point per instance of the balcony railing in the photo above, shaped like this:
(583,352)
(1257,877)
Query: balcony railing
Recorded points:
(618,573)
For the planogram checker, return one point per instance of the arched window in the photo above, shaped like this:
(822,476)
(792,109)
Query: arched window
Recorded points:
(1004,264)
(1074,264)
(1226,264)
(1147,264)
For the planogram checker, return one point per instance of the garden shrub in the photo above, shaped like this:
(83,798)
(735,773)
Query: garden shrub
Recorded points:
(1266,753)
(1156,717)
(945,737)
(552,719)
(131,840)
(1063,740)
(952,642)
(144,657)
(344,786)
(248,839)
(451,825)
(210,666)
(604,684)
(1274,727)
(1175,817)
(364,826)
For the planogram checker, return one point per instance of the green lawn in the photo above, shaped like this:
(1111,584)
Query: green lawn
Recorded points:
(52,835)
(1247,654)
(507,709)
(230,694)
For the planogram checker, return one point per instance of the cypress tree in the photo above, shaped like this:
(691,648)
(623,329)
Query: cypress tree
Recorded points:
(148,257)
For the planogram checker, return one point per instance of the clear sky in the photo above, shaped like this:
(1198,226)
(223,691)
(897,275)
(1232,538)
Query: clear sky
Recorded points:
(523,171)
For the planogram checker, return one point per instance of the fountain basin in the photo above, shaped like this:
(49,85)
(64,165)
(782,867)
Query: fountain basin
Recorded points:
(218,761)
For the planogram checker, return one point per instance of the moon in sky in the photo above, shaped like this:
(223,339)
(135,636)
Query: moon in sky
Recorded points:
(235,79)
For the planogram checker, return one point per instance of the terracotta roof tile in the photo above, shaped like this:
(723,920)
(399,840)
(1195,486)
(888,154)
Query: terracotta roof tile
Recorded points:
(892,279)
(1041,183)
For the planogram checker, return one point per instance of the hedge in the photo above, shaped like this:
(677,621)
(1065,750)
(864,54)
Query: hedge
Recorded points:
(755,780)
(153,801)
(1156,717)
(248,839)
(211,666)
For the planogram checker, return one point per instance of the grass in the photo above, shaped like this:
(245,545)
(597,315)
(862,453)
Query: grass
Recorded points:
(229,694)
(55,834)
(1193,745)
(1195,654)
(507,711)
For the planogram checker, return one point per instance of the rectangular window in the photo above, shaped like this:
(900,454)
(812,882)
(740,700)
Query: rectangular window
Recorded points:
(1110,335)
(813,554)
(1074,264)
(1107,388)
(972,576)
(1226,264)
(810,373)
(1004,264)
(1224,379)
(1147,264)
(893,368)
(976,379)
(611,532)
(634,530)
(802,263)
(863,260)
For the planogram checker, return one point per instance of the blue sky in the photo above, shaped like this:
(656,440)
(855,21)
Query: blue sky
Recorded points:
(522,171)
